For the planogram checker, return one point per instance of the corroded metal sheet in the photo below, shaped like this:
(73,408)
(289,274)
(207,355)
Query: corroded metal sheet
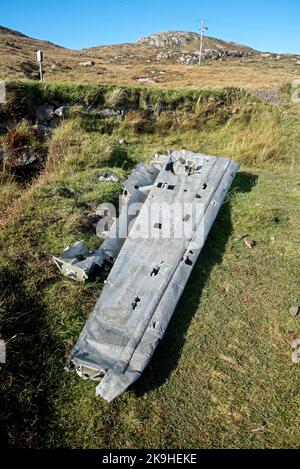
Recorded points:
(152,267)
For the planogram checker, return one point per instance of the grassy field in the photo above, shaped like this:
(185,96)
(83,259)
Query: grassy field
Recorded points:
(223,375)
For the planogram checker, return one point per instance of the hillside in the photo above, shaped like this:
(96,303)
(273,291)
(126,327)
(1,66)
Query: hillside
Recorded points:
(167,59)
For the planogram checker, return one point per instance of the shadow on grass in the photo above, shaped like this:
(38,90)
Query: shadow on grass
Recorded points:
(119,157)
(27,387)
(169,350)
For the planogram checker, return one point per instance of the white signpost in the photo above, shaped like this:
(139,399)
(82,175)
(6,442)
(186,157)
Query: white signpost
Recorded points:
(40,58)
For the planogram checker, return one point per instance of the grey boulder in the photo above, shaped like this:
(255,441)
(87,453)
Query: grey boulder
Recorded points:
(62,111)
(44,112)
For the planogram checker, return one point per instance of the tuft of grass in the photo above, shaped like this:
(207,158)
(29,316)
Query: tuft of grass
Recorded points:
(118,98)
(138,121)
(65,142)
(165,121)
(19,138)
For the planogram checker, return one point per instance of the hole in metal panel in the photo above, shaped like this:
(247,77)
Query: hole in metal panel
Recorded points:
(155,271)
(170,167)
(135,302)
(188,261)
(161,185)
(157,225)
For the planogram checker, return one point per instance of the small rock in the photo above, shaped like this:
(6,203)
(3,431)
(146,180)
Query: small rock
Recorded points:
(89,63)
(146,80)
(250,243)
(62,111)
(109,177)
(122,141)
(27,159)
(107,112)
(44,112)
(294,311)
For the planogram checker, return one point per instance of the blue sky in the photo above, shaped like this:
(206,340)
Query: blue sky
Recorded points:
(262,24)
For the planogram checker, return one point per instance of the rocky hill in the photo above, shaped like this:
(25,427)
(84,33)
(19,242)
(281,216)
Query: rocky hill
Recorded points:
(183,47)
(189,40)
(163,59)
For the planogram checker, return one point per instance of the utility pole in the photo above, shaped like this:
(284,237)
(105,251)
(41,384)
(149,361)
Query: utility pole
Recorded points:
(202,30)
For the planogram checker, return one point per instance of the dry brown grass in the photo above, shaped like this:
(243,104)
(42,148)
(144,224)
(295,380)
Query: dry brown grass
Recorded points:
(116,97)
(138,121)
(243,75)
(63,65)
(19,138)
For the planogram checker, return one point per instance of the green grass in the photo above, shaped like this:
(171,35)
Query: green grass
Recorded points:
(223,375)
(25,95)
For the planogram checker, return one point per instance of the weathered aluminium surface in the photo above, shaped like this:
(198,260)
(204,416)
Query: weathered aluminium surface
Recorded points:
(181,194)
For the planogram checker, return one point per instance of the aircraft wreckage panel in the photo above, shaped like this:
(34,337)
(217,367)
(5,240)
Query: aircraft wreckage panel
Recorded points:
(152,268)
